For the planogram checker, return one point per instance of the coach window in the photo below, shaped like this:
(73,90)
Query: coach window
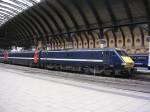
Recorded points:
(142,58)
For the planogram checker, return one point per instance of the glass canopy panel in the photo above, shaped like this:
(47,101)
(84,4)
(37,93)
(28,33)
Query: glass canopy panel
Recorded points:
(10,8)
(7,10)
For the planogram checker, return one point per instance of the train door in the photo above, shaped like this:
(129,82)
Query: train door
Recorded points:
(117,61)
(111,58)
(108,62)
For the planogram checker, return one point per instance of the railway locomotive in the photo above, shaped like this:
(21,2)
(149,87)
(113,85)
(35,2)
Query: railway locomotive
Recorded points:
(110,61)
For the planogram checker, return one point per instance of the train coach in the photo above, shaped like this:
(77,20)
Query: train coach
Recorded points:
(141,60)
(25,58)
(94,61)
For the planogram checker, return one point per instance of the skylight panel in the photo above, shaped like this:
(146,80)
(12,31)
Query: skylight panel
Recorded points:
(10,8)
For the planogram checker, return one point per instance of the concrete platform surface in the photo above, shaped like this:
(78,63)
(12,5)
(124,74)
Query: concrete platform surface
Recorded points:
(21,93)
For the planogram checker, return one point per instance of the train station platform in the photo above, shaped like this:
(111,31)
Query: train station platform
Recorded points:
(23,89)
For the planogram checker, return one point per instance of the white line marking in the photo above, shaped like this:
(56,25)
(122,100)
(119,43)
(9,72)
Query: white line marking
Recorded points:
(63,59)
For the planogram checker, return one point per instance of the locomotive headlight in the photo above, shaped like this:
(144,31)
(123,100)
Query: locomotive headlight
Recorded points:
(124,64)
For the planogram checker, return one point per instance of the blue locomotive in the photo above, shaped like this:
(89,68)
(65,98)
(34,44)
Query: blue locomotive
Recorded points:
(94,61)
(141,60)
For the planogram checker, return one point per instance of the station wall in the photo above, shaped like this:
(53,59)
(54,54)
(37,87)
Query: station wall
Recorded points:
(133,41)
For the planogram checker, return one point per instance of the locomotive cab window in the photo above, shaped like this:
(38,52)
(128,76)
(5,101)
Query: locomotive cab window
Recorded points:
(122,53)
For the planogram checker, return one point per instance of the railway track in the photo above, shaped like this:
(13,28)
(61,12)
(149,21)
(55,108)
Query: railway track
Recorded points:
(134,84)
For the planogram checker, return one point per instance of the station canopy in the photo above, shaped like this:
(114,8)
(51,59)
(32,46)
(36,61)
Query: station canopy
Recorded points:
(10,8)
(26,22)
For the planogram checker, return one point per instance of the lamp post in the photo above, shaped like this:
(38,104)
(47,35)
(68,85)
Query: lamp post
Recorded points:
(149,54)
(102,43)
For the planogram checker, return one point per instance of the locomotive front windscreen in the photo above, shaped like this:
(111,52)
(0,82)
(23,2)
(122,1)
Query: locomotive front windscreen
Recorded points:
(129,63)
(122,53)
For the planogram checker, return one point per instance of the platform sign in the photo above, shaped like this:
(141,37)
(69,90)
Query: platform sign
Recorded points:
(149,53)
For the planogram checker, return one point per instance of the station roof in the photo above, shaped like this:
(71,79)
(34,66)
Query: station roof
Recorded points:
(58,18)
(10,8)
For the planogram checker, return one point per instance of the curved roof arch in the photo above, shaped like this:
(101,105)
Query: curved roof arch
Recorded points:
(14,7)
(46,19)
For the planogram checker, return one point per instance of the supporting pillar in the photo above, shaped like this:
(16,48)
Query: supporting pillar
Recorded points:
(149,54)
(102,41)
